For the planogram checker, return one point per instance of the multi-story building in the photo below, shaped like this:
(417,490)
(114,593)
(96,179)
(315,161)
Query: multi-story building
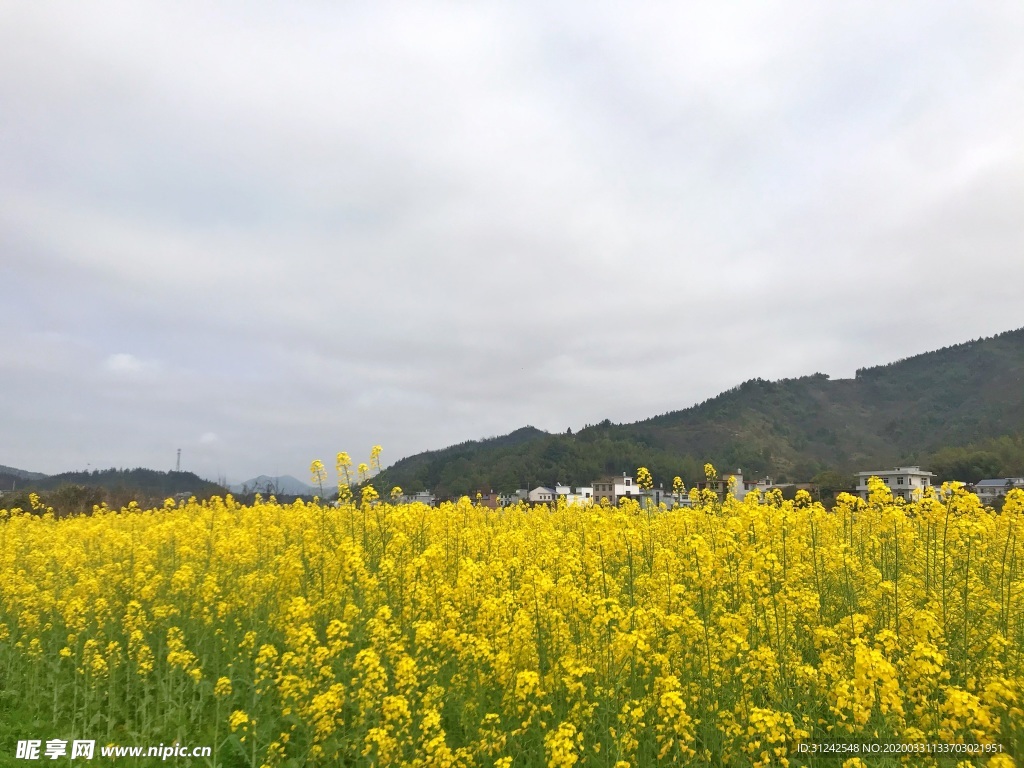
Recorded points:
(761,485)
(423,497)
(902,481)
(734,480)
(990,490)
(659,496)
(488,499)
(584,494)
(542,495)
(615,488)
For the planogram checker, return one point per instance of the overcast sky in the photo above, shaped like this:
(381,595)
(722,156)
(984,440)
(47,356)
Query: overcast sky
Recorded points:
(267,232)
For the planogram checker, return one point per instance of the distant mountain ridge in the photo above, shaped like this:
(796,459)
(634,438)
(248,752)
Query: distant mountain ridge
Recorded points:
(21,473)
(908,411)
(12,478)
(149,482)
(81,492)
(273,485)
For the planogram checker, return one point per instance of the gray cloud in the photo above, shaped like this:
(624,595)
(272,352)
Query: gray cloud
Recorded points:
(265,234)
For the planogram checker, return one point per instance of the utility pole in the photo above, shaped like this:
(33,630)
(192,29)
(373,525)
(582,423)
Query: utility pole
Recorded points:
(177,468)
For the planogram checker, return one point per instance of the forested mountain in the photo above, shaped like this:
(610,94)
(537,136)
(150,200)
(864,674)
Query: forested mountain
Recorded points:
(73,492)
(147,481)
(20,473)
(958,411)
(12,478)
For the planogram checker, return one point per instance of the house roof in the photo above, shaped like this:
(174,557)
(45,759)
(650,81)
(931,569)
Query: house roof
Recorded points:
(897,471)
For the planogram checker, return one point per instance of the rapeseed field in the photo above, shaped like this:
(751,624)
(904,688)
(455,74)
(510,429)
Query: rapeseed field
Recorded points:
(375,633)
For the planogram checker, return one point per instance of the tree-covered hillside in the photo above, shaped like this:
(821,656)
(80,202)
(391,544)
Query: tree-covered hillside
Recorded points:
(148,481)
(76,492)
(959,409)
(12,478)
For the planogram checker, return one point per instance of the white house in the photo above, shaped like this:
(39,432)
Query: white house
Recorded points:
(902,481)
(734,481)
(423,497)
(542,495)
(761,485)
(990,490)
(615,488)
(658,496)
(584,494)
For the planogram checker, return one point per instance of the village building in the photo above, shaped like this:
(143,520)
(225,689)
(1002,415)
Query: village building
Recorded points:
(423,497)
(990,490)
(734,482)
(583,494)
(658,496)
(614,489)
(542,495)
(902,481)
(488,499)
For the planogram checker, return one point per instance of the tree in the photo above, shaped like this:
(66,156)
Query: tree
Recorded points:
(75,499)
(966,464)
(831,483)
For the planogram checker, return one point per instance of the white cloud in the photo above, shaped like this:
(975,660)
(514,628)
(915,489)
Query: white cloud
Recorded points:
(126,365)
